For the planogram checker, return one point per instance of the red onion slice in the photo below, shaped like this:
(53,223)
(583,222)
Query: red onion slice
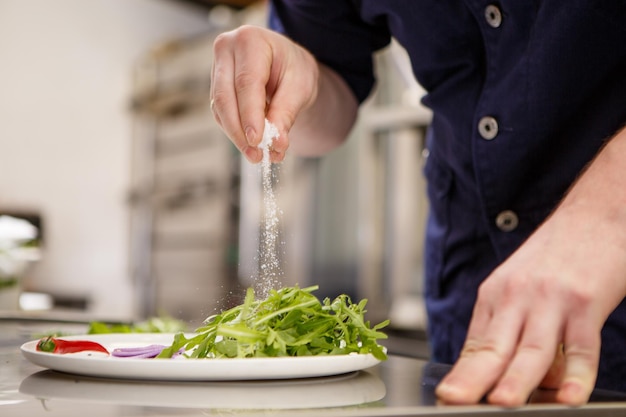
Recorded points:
(150,351)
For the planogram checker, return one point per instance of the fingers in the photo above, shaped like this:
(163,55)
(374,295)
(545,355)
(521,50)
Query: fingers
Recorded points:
(514,346)
(582,354)
(490,344)
(532,360)
(286,104)
(224,103)
(251,75)
(553,387)
(240,72)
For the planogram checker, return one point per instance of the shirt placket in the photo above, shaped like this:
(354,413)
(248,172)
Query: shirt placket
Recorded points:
(488,133)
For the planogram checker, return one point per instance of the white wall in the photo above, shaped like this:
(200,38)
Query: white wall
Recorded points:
(65,131)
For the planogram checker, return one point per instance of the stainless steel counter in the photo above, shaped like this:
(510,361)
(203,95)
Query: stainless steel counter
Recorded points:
(401,386)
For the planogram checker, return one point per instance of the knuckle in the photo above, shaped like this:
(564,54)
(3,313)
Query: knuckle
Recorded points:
(515,286)
(484,295)
(241,35)
(505,289)
(485,290)
(245,31)
(580,353)
(474,347)
(492,288)
(579,298)
(245,35)
(246,79)
(534,349)
(221,42)
(289,116)
(587,348)
(219,99)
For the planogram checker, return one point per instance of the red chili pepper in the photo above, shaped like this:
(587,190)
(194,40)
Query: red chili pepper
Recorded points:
(53,345)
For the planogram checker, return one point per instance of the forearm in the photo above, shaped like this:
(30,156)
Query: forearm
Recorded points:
(326,124)
(593,215)
(598,198)
(603,182)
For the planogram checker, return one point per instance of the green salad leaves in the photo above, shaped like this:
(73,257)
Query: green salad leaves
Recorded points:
(289,322)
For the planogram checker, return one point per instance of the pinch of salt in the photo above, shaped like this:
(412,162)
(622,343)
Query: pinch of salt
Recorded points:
(270,133)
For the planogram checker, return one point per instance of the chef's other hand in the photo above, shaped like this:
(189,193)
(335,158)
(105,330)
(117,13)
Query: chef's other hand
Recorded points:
(258,73)
(538,316)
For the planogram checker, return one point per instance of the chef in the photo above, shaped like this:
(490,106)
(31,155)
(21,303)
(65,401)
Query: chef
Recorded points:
(526,237)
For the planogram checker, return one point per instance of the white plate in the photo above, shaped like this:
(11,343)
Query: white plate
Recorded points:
(350,389)
(183,369)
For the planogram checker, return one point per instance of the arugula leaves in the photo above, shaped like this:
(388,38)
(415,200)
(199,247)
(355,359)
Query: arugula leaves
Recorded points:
(289,322)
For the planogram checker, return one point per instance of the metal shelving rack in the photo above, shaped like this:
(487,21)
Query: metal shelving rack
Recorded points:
(184,196)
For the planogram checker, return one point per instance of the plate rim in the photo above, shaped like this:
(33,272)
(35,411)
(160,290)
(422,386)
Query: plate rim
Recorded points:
(186,369)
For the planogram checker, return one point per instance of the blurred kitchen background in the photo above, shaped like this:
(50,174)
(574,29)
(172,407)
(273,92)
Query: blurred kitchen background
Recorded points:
(143,208)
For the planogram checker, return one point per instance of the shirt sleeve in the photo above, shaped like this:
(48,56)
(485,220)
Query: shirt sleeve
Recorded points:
(334,32)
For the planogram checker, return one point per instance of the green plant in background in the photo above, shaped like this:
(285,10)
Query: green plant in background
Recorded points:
(160,324)
(7,282)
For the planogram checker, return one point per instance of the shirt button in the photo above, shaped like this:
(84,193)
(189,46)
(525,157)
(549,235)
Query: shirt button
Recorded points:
(488,127)
(493,15)
(507,221)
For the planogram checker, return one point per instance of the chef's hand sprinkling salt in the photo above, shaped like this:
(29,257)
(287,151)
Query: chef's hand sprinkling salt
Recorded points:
(259,73)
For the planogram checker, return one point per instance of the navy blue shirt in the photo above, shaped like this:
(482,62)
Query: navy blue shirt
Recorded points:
(523,93)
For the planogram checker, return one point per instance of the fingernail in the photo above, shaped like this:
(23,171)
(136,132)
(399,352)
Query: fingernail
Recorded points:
(572,393)
(447,391)
(250,136)
(455,394)
(506,398)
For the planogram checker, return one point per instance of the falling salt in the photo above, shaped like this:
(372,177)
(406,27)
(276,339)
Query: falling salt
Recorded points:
(269,264)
